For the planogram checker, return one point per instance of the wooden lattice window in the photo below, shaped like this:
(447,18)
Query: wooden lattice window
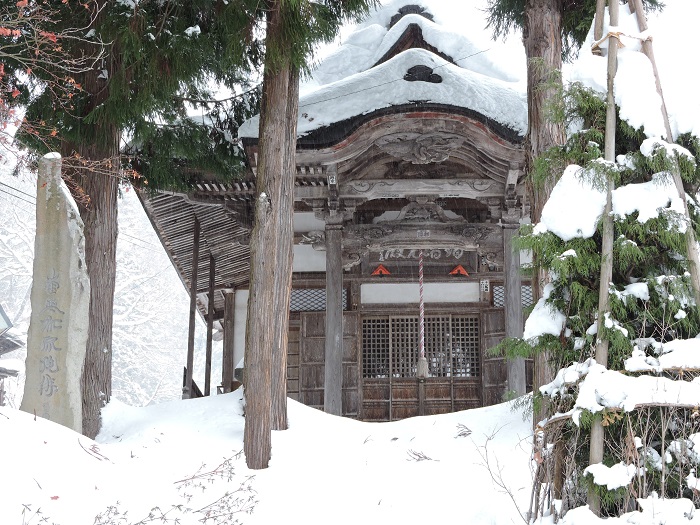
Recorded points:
(404,342)
(312,300)
(499,295)
(392,343)
(465,346)
(375,344)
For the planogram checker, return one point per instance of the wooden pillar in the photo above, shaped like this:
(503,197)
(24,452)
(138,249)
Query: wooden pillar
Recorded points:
(513,307)
(210,325)
(228,364)
(333,378)
(187,388)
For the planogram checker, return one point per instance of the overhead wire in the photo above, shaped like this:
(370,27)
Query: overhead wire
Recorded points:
(17,197)
(386,83)
(137,239)
(258,86)
(18,190)
(4,193)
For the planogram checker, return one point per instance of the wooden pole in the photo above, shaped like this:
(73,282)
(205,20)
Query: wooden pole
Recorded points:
(333,378)
(648,50)
(187,388)
(691,241)
(228,365)
(606,262)
(517,382)
(598,24)
(210,326)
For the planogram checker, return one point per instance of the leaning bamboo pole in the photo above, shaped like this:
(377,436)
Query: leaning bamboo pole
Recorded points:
(598,24)
(606,262)
(690,239)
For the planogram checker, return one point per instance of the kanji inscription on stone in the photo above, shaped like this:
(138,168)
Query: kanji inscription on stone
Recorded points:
(60,301)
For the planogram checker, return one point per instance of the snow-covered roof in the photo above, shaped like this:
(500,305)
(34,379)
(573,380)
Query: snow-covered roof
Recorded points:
(367,72)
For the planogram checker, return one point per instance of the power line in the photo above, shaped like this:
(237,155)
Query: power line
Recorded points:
(139,245)
(258,86)
(18,190)
(140,240)
(17,197)
(386,83)
(139,285)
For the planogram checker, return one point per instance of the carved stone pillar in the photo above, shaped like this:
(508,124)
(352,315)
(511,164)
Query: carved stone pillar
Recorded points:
(333,378)
(513,306)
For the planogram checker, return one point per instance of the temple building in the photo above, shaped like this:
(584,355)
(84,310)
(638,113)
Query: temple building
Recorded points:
(409,151)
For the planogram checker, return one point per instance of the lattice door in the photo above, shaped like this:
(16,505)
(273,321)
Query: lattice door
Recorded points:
(465,339)
(390,351)
(392,343)
(404,338)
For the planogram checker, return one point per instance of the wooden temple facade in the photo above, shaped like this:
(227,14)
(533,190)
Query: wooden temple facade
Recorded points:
(371,192)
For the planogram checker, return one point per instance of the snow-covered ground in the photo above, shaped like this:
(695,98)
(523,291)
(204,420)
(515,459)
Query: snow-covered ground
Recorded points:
(324,469)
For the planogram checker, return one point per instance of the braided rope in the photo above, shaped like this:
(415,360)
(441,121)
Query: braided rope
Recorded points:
(422,307)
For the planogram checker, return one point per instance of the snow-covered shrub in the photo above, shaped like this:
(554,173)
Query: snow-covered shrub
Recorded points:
(646,406)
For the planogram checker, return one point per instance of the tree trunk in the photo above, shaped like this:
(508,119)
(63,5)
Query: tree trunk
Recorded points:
(94,184)
(262,316)
(285,246)
(542,40)
(99,215)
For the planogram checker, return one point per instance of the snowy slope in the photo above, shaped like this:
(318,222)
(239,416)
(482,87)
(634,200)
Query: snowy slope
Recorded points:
(150,310)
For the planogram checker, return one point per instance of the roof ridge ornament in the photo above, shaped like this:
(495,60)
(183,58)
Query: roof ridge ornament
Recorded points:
(410,9)
(422,73)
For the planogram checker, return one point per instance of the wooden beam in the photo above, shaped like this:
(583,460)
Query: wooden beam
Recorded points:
(220,288)
(187,388)
(399,188)
(210,326)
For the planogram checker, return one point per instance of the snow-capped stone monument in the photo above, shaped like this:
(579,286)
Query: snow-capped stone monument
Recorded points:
(60,300)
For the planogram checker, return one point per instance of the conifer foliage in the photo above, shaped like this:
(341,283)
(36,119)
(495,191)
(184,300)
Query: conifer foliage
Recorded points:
(652,309)
(149,60)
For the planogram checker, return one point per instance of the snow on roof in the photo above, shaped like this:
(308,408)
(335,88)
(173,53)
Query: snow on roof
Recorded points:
(459,24)
(346,84)
(384,86)
(368,45)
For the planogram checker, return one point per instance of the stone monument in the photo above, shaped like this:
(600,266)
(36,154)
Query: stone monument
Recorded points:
(60,300)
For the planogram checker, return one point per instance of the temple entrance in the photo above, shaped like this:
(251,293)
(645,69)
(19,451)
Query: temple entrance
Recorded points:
(390,343)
